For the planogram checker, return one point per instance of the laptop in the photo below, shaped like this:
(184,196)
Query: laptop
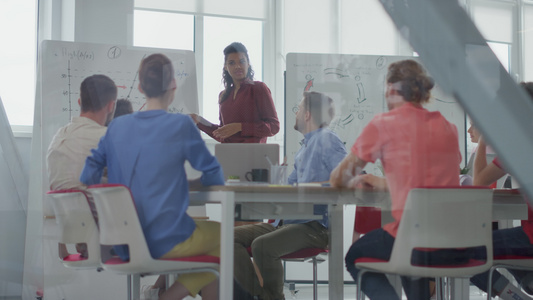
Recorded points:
(237,159)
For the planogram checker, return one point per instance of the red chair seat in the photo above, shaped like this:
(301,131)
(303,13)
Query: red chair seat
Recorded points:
(369,260)
(509,257)
(74,257)
(470,263)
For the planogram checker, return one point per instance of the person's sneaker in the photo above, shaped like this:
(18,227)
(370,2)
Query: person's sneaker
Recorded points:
(239,293)
(149,293)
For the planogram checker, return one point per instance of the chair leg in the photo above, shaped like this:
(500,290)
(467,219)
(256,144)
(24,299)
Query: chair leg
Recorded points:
(315,280)
(439,288)
(168,279)
(359,295)
(128,284)
(489,284)
(136,286)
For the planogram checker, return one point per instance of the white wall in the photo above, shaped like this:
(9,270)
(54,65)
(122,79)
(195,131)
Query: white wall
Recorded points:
(12,225)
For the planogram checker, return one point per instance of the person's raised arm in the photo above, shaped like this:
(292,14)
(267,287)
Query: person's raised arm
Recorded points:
(201,159)
(485,174)
(347,169)
(205,125)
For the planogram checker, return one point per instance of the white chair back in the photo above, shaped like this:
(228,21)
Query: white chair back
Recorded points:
(76,225)
(119,224)
(444,218)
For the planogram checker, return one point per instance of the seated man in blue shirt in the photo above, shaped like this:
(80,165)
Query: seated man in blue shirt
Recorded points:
(321,151)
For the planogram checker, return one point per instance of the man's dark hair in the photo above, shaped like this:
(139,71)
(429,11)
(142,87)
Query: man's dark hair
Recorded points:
(123,107)
(96,92)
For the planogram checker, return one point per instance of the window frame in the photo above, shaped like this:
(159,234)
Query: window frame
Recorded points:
(55,21)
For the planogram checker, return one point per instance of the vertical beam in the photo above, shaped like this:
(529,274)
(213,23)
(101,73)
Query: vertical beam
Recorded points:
(226,245)
(456,54)
(336,251)
(199,55)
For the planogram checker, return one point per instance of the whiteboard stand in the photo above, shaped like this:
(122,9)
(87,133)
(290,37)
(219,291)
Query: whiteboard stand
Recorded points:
(12,157)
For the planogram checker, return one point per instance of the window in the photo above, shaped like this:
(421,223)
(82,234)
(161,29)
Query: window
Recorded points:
(361,34)
(502,52)
(218,33)
(18,59)
(163,30)
(528,42)
(497,22)
(309,26)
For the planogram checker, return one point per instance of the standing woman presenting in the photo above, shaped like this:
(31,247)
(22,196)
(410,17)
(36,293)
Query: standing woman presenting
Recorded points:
(246,109)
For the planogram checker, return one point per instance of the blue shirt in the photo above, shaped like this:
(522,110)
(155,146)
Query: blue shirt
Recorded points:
(146,151)
(321,152)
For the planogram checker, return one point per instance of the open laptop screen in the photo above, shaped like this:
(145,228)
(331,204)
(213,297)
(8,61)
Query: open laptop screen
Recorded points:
(237,159)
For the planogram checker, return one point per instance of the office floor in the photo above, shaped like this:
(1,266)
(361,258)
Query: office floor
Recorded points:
(305,292)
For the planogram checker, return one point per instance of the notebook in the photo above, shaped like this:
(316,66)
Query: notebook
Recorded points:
(237,159)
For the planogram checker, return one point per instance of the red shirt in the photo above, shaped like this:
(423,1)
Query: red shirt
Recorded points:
(416,147)
(253,107)
(527,225)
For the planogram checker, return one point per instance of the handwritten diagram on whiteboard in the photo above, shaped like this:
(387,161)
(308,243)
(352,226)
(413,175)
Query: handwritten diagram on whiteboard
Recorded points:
(356,83)
(66,64)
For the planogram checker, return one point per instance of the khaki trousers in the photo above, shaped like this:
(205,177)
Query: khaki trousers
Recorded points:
(268,244)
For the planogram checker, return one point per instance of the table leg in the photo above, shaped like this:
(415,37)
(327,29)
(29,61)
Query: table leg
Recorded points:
(460,288)
(226,245)
(336,255)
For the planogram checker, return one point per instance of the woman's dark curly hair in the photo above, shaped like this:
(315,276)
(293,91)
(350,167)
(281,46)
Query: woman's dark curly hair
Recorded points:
(234,47)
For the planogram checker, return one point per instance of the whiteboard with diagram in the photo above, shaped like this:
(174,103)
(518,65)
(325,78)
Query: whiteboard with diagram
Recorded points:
(64,65)
(356,83)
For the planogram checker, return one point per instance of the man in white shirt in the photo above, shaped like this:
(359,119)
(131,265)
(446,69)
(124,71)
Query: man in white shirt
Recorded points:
(73,143)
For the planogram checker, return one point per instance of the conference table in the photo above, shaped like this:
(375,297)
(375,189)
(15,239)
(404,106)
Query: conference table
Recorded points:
(263,201)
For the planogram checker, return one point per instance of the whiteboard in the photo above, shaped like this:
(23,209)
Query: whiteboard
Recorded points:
(356,83)
(64,65)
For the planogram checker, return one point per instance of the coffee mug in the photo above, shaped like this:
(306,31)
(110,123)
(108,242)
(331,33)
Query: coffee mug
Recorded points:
(257,175)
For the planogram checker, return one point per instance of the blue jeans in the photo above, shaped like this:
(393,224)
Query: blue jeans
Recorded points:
(511,241)
(378,244)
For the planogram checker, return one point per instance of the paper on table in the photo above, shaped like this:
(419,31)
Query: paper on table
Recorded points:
(310,184)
